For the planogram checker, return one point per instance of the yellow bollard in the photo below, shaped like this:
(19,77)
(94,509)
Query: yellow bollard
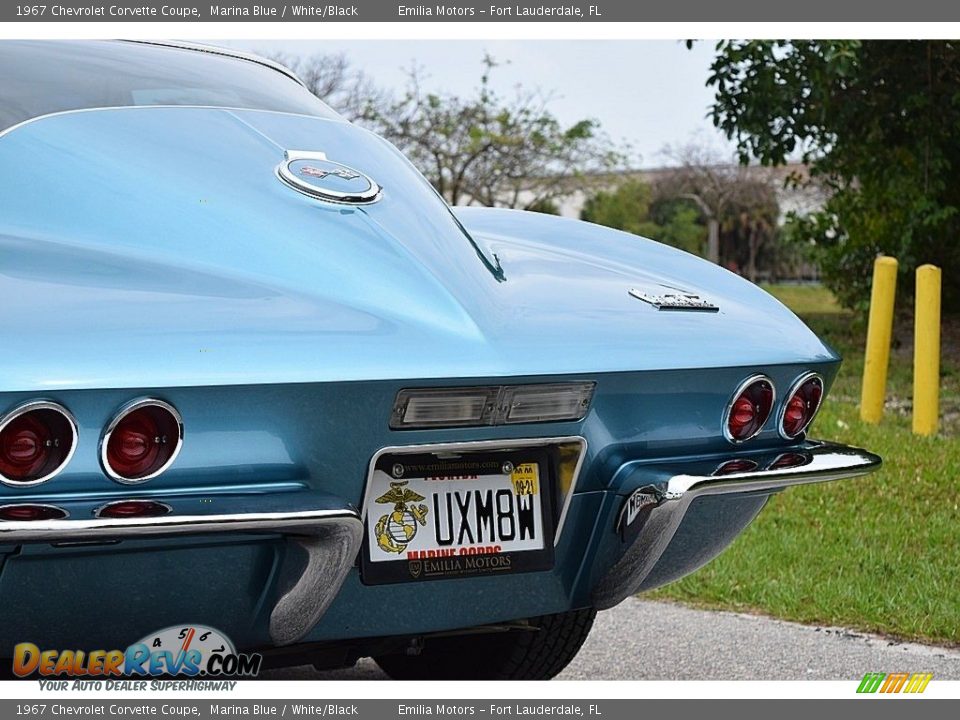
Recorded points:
(926,352)
(879,332)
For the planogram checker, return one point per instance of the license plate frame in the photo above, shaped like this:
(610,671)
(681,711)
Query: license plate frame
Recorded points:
(460,566)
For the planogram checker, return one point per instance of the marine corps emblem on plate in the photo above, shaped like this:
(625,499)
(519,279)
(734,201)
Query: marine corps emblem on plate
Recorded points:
(396,529)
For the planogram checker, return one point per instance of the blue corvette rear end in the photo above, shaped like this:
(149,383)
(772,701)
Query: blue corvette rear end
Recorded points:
(398,424)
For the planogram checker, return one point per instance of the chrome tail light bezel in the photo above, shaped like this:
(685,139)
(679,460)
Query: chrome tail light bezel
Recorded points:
(794,388)
(742,388)
(31,406)
(111,427)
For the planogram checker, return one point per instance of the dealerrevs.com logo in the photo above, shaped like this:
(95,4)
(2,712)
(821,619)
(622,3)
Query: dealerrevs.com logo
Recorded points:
(180,650)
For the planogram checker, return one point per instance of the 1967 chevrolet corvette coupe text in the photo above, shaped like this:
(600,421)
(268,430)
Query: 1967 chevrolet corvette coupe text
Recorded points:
(257,375)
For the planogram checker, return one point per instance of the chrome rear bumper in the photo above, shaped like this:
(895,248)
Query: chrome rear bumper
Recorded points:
(658,495)
(323,539)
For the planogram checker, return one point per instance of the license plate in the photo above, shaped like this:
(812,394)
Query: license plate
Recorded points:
(429,518)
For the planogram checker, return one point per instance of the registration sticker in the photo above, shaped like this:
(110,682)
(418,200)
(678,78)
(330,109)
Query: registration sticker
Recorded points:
(524,479)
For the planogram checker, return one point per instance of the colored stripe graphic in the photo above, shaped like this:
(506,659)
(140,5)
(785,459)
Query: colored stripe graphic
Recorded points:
(871,682)
(894,682)
(918,682)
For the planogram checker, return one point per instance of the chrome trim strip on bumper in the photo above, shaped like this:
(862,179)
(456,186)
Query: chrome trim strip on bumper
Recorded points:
(323,543)
(824,462)
(677,485)
(504,445)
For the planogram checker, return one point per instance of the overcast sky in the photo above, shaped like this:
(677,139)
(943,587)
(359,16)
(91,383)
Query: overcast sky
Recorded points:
(649,93)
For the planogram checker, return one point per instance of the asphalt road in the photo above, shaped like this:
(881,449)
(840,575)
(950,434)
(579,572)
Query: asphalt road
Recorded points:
(644,640)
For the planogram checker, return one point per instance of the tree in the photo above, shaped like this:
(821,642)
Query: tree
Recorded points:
(678,222)
(632,207)
(748,235)
(334,80)
(490,150)
(546,207)
(738,205)
(877,123)
(704,196)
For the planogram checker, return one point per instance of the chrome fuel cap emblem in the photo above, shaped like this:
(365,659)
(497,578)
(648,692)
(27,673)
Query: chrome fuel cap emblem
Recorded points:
(311,173)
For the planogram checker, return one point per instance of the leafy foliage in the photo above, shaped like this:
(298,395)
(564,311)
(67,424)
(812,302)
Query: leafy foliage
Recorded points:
(678,207)
(742,201)
(545,206)
(333,79)
(492,150)
(877,122)
(748,232)
(631,207)
(481,148)
(678,222)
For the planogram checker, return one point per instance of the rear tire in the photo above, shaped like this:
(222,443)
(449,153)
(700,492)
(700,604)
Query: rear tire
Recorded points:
(535,654)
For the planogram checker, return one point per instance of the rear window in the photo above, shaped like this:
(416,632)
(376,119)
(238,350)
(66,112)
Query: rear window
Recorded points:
(42,77)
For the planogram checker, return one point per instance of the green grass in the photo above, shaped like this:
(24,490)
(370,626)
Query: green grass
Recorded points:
(880,553)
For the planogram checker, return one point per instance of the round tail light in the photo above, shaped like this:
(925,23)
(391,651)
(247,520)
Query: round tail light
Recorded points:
(133,509)
(142,441)
(29,512)
(749,409)
(37,440)
(801,406)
